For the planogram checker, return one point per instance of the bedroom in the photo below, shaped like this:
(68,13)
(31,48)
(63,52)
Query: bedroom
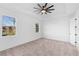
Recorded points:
(55,29)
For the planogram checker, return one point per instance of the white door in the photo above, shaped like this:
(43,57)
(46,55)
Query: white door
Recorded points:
(74,31)
(77,31)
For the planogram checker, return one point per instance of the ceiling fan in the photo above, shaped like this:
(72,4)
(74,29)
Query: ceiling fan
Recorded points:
(44,9)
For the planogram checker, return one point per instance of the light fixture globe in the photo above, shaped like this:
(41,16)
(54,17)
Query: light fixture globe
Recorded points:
(43,11)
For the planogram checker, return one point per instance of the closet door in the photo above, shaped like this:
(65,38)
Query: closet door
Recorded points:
(74,31)
(77,32)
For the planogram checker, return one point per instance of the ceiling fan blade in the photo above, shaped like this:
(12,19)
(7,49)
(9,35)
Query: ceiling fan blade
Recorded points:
(45,12)
(50,9)
(41,13)
(45,4)
(36,8)
(39,5)
(50,6)
(49,12)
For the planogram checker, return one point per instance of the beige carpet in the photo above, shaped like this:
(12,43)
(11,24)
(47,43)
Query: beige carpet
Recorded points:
(42,47)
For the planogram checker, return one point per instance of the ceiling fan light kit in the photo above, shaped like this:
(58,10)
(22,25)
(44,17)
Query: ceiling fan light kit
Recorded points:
(44,9)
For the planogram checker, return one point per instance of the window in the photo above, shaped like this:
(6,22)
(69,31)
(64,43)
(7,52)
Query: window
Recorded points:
(8,26)
(37,27)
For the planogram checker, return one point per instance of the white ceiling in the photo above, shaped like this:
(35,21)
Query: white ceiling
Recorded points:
(61,9)
(21,7)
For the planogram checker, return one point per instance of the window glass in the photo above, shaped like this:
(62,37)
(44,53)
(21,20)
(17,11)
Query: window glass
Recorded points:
(8,26)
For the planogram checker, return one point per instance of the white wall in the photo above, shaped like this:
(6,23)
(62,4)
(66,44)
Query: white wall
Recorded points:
(57,25)
(57,29)
(25,28)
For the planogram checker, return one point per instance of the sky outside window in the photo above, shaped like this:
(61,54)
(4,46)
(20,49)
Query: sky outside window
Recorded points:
(8,21)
